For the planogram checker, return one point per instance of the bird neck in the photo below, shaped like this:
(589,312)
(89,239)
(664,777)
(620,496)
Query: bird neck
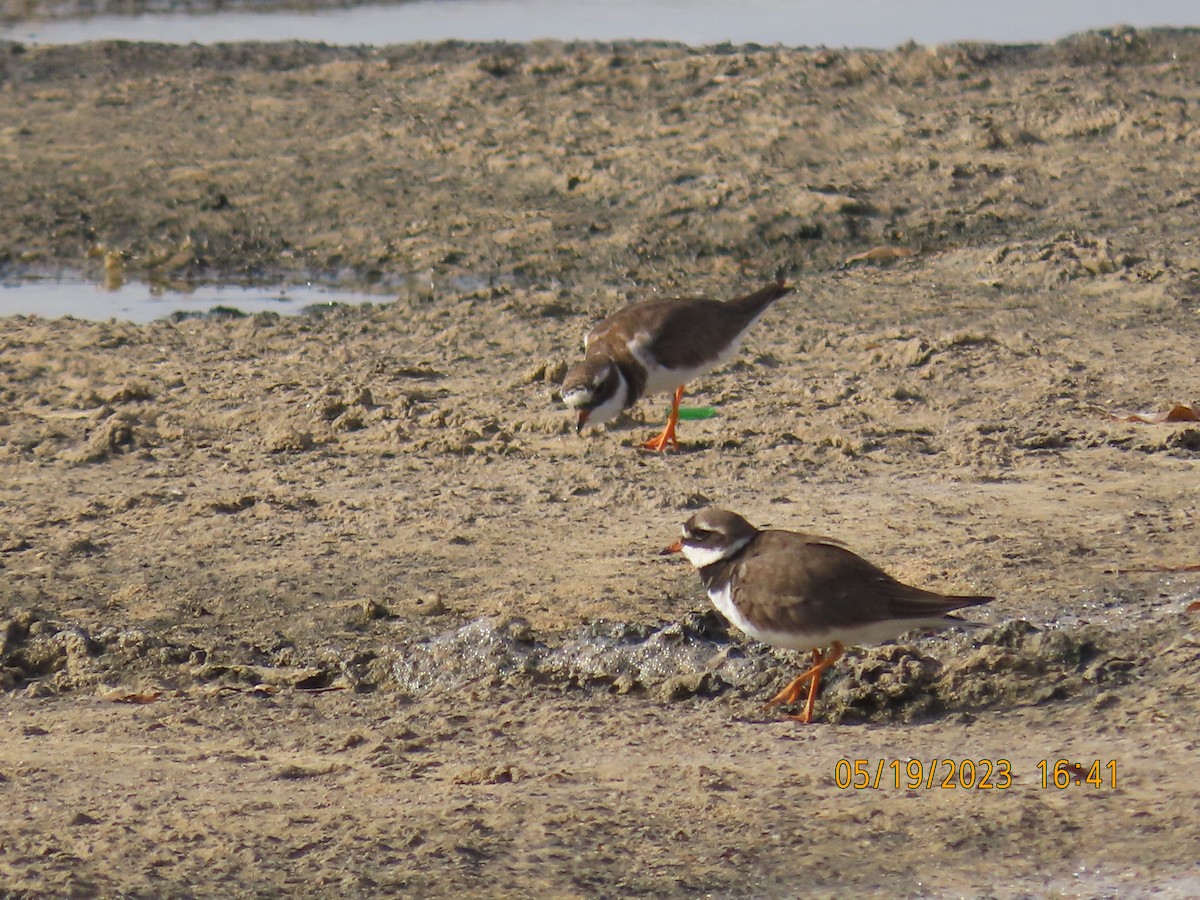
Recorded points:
(631,383)
(717,568)
(715,573)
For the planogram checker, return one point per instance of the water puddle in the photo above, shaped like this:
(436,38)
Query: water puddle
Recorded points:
(140,302)
(864,23)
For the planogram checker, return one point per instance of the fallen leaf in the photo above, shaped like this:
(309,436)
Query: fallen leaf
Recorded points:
(1194,606)
(881,255)
(1180,412)
(120,696)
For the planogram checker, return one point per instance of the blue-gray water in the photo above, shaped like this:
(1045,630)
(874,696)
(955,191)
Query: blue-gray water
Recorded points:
(138,302)
(855,23)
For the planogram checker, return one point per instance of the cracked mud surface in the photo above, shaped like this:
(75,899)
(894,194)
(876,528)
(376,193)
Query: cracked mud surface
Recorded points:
(395,627)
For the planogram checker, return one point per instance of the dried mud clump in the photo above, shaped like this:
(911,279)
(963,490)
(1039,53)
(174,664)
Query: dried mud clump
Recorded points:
(36,652)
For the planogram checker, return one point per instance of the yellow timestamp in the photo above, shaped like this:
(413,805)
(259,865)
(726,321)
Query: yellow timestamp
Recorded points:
(967,774)
(1063,774)
(913,774)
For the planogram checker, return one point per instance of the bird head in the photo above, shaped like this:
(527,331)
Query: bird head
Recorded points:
(597,389)
(712,535)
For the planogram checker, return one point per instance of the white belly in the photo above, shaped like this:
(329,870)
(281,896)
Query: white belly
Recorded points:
(818,639)
(659,379)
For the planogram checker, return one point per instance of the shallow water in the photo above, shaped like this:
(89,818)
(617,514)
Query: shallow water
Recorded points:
(140,302)
(862,23)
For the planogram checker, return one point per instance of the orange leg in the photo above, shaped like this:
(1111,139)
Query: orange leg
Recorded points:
(791,693)
(813,686)
(667,438)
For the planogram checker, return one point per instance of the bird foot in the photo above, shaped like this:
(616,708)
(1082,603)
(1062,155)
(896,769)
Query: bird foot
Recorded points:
(665,441)
(812,676)
(667,438)
(787,696)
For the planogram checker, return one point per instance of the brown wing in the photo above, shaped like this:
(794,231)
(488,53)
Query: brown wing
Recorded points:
(699,322)
(690,330)
(819,580)
(696,331)
(683,326)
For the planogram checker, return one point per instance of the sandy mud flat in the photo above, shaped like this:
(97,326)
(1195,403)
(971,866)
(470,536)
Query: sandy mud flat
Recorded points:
(339,604)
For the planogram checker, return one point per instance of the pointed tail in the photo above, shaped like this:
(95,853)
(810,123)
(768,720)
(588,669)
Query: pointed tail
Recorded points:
(752,305)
